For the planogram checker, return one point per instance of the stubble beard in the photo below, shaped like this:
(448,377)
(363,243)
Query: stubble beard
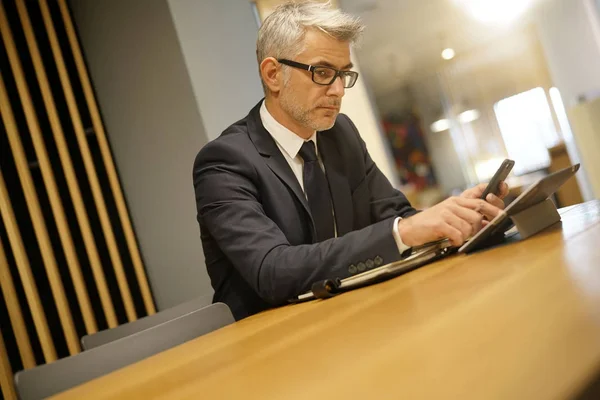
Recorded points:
(291,105)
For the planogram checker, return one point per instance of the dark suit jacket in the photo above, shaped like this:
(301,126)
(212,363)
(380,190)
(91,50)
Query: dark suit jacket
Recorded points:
(256,228)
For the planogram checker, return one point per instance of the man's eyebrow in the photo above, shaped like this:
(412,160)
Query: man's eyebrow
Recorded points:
(330,65)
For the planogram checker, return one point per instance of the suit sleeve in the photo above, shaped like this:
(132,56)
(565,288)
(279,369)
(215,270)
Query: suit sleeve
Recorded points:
(229,208)
(386,201)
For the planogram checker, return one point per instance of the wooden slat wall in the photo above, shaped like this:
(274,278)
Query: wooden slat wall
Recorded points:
(39,224)
(10,296)
(18,247)
(8,391)
(88,163)
(73,185)
(107,159)
(69,260)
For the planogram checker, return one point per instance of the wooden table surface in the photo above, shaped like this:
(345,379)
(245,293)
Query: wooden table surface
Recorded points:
(521,321)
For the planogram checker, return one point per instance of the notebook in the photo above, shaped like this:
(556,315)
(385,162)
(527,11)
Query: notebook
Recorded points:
(420,256)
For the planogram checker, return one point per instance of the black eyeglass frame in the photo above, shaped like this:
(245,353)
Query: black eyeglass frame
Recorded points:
(352,74)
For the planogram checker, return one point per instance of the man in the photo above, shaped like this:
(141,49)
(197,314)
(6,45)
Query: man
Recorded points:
(289,195)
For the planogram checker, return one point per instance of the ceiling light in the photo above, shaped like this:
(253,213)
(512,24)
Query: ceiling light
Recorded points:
(440,125)
(495,11)
(468,116)
(448,54)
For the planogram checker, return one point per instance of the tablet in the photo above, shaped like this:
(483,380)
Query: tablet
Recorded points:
(534,194)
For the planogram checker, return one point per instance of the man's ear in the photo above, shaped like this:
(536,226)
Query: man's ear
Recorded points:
(271,74)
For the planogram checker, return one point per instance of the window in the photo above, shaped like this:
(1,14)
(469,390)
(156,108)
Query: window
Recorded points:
(527,128)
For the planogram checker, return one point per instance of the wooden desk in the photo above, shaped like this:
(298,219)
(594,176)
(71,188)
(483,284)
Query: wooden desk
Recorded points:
(515,322)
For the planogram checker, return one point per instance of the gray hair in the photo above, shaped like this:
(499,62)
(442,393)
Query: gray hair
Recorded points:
(282,33)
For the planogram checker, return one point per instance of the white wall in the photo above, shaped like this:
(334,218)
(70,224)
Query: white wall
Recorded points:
(218,40)
(571,48)
(569,31)
(585,120)
(358,105)
(155,130)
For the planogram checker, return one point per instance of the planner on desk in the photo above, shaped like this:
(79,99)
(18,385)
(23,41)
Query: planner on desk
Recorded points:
(420,256)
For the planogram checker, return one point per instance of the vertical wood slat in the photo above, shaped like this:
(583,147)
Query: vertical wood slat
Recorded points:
(49,179)
(14,312)
(37,218)
(88,163)
(6,381)
(72,184)
(108,160)
(20,254)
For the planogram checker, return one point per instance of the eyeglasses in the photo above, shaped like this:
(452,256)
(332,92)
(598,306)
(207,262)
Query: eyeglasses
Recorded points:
(325,75)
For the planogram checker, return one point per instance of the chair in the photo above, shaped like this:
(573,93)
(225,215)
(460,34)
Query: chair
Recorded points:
(49,379)
(108,335)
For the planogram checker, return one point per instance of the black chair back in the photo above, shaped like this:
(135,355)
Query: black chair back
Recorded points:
(108,335)
(49,379)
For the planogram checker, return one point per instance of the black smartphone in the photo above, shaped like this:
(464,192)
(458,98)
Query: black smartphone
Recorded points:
(499,176)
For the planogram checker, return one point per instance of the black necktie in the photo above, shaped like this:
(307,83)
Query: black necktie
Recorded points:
(317,192)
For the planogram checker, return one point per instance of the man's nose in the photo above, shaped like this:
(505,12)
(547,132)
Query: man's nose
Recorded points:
(336,88)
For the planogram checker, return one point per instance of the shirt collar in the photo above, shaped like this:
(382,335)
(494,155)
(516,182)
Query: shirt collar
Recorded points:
(287,140)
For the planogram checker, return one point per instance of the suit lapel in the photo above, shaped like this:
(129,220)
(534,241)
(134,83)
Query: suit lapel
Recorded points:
(338,183)
(282,169)
(275,160)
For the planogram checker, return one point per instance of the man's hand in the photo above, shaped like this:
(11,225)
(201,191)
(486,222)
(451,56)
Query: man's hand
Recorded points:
(477,191)
(457,218)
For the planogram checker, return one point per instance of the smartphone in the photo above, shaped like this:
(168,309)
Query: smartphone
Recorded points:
(499,176)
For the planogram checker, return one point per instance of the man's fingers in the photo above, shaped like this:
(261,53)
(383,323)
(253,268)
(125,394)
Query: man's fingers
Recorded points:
(481,206)
(455,236)
(472,217)
(479,189)
(455,221)
(503,190)
(476,191)
(495,201)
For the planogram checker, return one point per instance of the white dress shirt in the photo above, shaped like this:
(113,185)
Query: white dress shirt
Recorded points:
(289,144)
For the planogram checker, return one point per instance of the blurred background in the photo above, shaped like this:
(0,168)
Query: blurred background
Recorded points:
(462,84)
